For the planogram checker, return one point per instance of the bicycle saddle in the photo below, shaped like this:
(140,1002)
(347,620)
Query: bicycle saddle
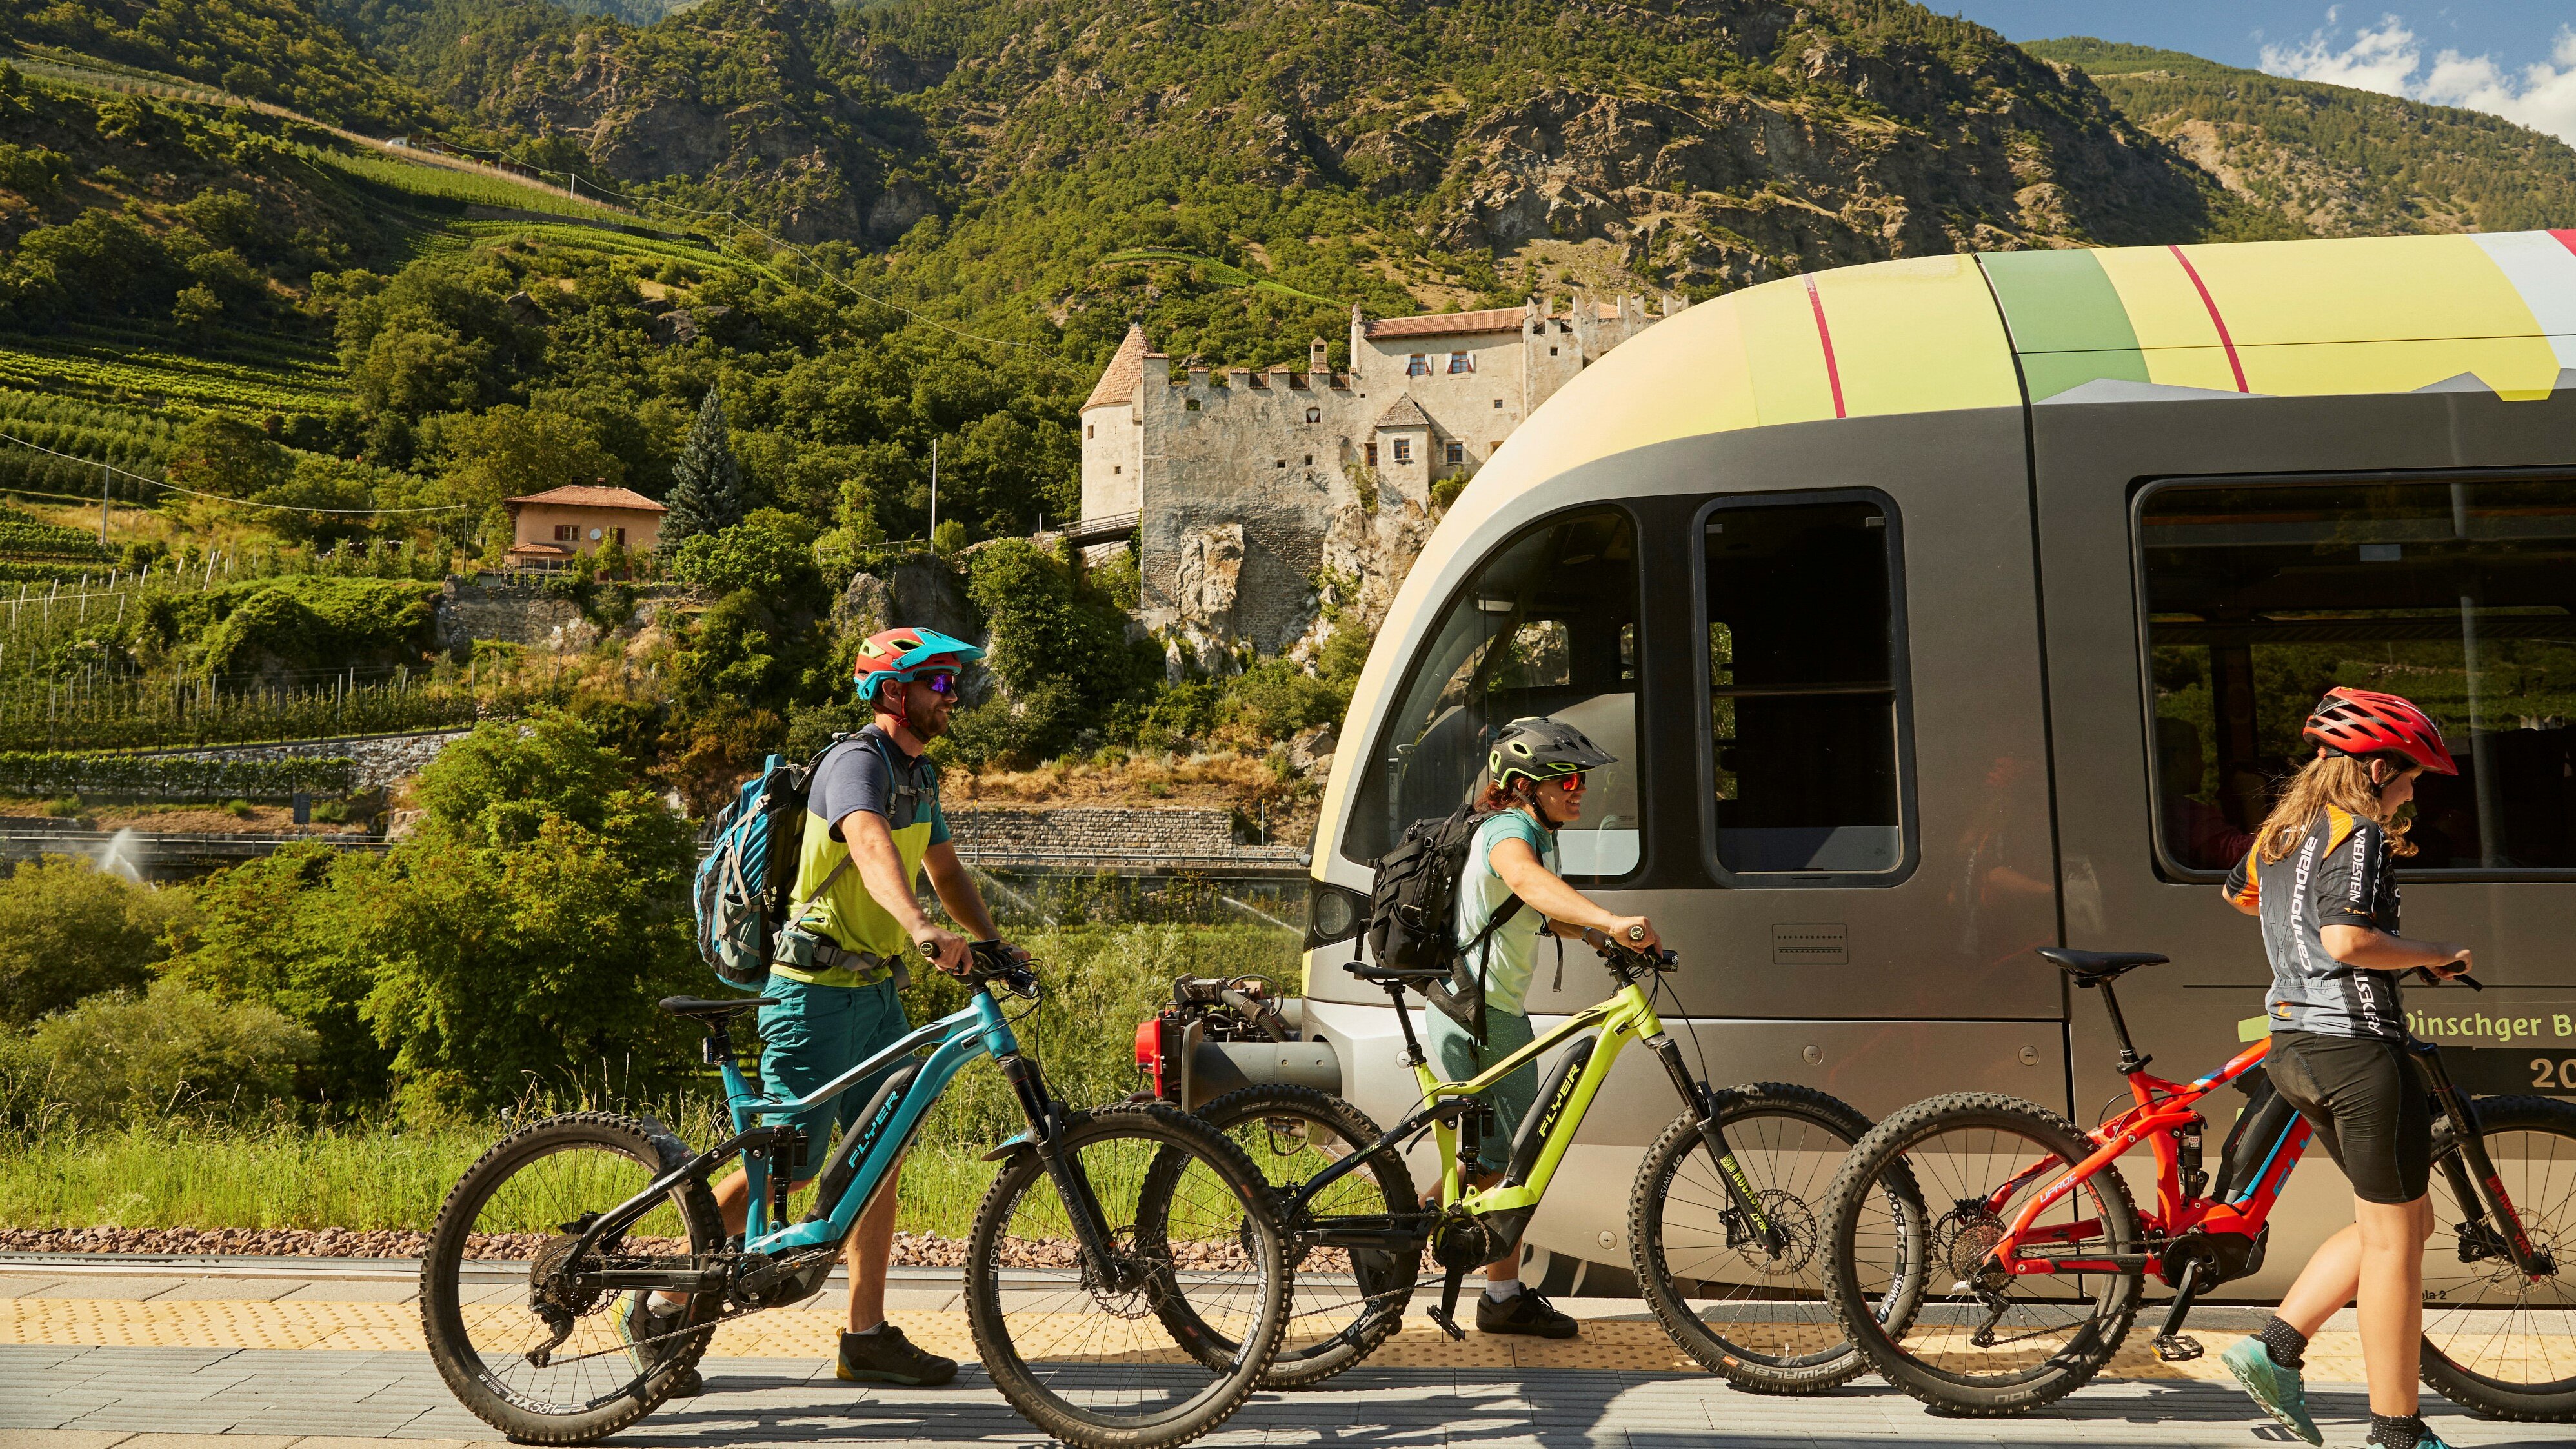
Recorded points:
(2091,968)
(714,1010)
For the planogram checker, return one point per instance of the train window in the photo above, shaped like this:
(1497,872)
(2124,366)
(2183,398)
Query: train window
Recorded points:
(2459,595)
(1547,626)
(1803,687)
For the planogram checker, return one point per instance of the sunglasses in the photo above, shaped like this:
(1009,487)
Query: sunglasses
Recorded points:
(943,685)
(1569,784)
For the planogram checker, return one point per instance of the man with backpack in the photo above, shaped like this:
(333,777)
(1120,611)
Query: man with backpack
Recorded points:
(872,827)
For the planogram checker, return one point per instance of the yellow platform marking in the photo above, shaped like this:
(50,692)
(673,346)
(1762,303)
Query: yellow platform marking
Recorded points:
(805,1333)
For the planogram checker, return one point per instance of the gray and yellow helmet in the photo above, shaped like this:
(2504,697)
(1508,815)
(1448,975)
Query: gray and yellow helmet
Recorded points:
(1541,749)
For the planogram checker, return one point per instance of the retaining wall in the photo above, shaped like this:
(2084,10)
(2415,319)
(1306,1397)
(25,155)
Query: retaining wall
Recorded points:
(382,759)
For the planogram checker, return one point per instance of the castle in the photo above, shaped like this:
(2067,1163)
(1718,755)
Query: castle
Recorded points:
(1237,479)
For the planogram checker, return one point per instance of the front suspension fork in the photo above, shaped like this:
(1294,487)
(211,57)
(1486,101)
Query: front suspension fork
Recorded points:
(1072,1185)
(2472,1174)
(1706,1105)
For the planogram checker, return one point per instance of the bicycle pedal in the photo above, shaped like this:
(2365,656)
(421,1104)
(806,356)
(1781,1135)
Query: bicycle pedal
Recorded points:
(1448,1325)
(2178,1347)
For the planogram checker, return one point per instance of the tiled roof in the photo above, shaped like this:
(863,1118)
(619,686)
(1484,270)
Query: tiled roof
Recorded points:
(549,550)
(1406,413)
(1451,324)
(1118,381)
(580,496)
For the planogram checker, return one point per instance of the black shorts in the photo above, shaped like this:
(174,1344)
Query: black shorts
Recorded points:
(2367,1105)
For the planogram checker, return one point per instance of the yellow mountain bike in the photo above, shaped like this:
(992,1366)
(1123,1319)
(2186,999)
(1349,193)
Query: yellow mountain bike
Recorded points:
(1722,1221)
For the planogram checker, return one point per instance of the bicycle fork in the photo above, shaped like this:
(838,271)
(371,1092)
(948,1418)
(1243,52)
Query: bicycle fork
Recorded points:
(1730,1173)
(2474,1181)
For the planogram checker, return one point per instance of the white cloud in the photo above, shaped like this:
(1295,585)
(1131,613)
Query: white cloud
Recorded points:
(2388,58)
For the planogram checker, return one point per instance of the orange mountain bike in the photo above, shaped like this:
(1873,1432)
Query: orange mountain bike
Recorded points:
(2033,1258)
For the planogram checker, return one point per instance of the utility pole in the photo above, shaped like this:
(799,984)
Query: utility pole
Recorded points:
(934,498)
(102,502)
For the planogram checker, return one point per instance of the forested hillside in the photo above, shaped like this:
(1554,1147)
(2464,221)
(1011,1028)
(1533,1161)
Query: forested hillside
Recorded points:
(2337,161)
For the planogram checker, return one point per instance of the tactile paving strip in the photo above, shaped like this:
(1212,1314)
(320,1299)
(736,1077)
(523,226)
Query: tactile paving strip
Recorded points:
(798,1333)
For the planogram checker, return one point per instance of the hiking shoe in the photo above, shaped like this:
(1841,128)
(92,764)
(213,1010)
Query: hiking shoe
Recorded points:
(1524,1312)
(883,1355)
(2280,1391)
(640,1322)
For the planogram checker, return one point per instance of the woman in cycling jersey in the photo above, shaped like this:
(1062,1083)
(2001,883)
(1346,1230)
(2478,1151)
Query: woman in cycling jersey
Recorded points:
(1535,787)
(2320,878)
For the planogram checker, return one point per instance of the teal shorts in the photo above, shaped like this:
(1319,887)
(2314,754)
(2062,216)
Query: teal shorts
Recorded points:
(814,1034)
(1457,1057)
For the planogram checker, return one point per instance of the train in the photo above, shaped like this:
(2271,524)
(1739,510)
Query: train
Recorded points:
(1947,608)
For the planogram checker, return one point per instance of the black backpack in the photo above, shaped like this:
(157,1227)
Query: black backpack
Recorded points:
(1413,914)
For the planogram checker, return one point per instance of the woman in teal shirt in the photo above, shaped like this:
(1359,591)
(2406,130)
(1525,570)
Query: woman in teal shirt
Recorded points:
(1534,788)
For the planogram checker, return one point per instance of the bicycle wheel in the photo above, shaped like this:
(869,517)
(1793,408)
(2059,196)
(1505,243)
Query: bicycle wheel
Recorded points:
(2495,1340)
(539,1364)
(1982,1342)
(1759,1318)
(1346,1302)
(1079,1346)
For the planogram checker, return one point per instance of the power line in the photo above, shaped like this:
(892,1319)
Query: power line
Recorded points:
(218,497)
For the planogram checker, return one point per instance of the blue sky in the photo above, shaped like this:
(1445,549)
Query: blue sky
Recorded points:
(2514,58)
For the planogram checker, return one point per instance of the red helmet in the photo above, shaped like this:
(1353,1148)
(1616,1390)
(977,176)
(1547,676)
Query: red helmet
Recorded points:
(2365,722)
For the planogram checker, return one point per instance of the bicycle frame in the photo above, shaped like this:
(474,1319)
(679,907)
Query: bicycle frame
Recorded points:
(866,1155)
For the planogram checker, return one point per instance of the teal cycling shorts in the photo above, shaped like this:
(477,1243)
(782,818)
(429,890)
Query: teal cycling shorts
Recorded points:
(814,1034)
(1458,1057)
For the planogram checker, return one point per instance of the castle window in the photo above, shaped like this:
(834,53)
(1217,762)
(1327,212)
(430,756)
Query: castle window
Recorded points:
(1310,460)
(1418,366)
(1092,430)
(1453,454)
(1193,405)
(1372,455)
(1283,462)
(1551,352)
(1314,415)
(1404,450)
(1117,470)
(1462,362)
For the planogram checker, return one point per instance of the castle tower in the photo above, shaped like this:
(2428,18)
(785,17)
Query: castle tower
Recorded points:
(1113,434)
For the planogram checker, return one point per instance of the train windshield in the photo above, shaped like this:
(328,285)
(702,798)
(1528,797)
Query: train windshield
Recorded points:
(2458,595)
(1547,626)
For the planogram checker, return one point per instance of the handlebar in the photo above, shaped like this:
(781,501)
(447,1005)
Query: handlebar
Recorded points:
(1617,952)
(989,962)
(2430,979)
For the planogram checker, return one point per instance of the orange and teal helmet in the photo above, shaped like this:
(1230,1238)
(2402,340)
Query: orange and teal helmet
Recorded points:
(901,655)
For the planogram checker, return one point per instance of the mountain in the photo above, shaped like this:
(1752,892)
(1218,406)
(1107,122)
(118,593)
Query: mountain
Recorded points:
(266,50)
(2337,161)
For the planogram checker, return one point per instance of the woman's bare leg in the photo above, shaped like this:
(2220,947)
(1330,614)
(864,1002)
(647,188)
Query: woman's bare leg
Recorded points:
(2392,1299)
(2326,1285)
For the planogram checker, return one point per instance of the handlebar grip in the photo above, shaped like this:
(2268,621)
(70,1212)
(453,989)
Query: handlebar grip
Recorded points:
(2430,979)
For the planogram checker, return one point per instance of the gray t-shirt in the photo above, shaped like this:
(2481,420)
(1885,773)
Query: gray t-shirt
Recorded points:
(2340,875)
(854,776)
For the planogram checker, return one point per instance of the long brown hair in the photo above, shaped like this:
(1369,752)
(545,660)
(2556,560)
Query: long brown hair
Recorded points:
(2341,781)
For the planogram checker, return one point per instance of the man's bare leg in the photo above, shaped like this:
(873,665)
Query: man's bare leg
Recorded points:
(869,1246)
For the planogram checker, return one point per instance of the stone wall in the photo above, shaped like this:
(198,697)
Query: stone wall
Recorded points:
(382,759)
(1105,834)
(514,609)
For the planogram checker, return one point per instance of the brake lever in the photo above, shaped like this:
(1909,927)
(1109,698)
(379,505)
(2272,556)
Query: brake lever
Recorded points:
(2432,979)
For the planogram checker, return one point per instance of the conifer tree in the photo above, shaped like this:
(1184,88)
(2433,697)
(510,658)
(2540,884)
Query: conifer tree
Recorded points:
(706,482)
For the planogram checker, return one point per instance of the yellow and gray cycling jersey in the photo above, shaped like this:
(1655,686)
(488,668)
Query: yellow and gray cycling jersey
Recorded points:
(869,772)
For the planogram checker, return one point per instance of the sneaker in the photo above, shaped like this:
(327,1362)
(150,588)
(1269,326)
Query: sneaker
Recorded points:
(2280,1391)
(883,1355)
(1524,1312)
(641,1322)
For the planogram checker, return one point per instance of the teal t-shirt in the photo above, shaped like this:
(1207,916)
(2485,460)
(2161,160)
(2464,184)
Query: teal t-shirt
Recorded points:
(1511,954)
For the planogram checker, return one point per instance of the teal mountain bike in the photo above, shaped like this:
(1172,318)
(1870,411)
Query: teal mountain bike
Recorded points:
(535,1288)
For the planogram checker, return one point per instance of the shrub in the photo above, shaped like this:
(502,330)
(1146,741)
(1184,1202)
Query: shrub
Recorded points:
(68,929)
(298,622)
(164,777)
(771,552)
(119,1057)
(1275,699)
(276,931)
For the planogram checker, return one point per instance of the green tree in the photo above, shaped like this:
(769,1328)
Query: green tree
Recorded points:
(219,453)
(524,932)
(510,451)
(770,552)
(706,482)
(277,931)
(69,930)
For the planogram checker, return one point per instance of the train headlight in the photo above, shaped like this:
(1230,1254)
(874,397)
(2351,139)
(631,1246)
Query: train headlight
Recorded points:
(1333,914)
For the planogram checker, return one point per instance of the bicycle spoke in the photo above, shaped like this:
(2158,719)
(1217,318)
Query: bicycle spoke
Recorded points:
(2481,1312)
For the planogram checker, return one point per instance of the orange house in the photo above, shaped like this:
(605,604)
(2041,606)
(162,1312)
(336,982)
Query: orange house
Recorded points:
(552,527)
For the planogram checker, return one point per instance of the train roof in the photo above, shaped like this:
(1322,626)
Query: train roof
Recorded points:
(2494,313)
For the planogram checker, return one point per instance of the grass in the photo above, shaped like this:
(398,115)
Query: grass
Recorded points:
(112,370)
(1217,271)
(473,188)
(193,1173)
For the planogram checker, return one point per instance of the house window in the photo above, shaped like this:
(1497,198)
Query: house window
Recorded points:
(1419,366)
(1462,362)
(1314,415)
(1404,450)
(1804,683)
(1453,454)
(618,534)
(567,533)
(1372,455)
(2262,596)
